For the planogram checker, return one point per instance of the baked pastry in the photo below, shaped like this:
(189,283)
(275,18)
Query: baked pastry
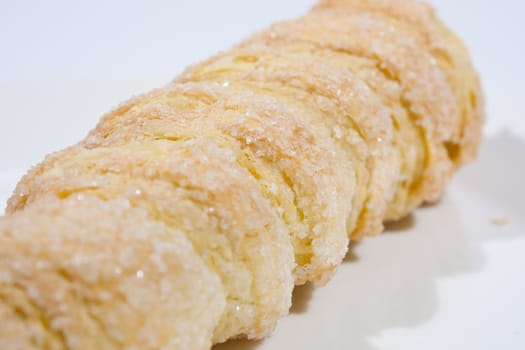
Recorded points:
(188,214)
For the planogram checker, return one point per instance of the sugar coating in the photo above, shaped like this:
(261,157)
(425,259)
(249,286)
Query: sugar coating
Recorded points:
(331,96)
(448,52)
(82,273)
(267,137)
(230,234)
(188,214)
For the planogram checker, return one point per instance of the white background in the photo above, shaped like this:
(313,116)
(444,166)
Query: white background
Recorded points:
(447,278)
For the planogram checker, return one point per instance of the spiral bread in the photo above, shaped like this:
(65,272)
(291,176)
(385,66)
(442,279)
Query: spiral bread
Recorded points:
(186,217)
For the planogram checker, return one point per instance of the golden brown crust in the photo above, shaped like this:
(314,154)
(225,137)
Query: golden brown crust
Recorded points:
(253,169)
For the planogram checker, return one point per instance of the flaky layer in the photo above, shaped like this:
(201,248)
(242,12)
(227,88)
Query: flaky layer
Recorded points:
(82,273)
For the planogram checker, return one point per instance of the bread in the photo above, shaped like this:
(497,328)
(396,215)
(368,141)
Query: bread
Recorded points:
(186,217)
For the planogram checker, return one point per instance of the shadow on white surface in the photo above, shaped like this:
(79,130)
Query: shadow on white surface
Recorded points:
(498,177)
(390,282)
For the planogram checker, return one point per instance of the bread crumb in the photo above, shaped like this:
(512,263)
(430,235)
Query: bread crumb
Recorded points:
(500,221)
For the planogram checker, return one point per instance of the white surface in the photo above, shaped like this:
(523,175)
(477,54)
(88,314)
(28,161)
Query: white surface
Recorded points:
(448,279)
